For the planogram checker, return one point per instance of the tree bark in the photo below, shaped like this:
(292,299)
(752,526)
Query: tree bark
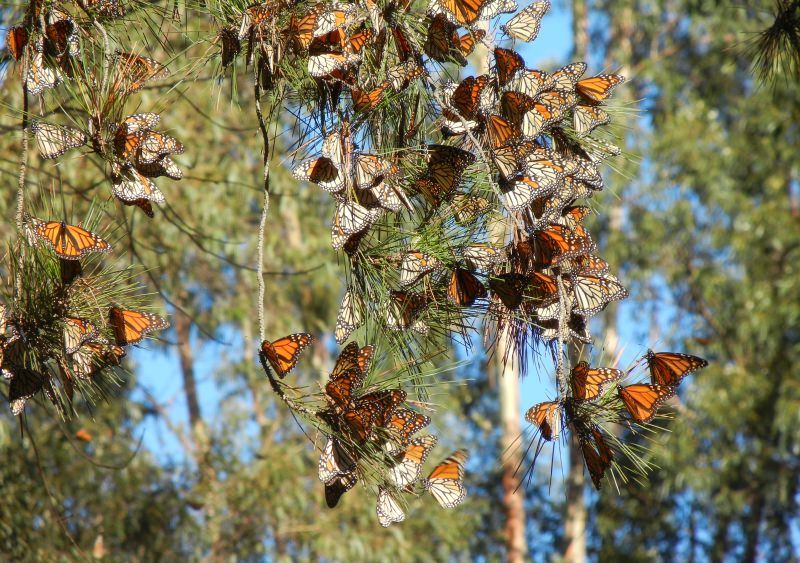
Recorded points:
(183,327)
(513,498)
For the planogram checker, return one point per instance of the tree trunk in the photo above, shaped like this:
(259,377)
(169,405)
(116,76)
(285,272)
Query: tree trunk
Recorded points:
(183,327)
(513,499)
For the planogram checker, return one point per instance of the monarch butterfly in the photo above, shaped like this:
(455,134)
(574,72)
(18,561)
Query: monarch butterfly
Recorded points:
(598,458)
(335,461)
(460,12)
(154,146)
(355,43)
(598,88)
(588,264)
(130,327)
(341,240)
(467,96)
(509,288)
(494,8)
(567,77)
(529,82)
(547,417)
(142,204)
(68,241)
(409,463)
(16,40)
(508,158)
(541,288)
(507,63)
(348,375)
(550,108)
(586,118)
(253,16)
(25,383)
(93,356)
(353,218)
(576,326)
(642,400)
(230,45)
(500,131)
(130,186)
(669,368)
(338,487)
(350,316)
(334,16)
(389,196)
(405,423)
(401,43)
(282,354)
(589,383)
(61,33)
(365,101)
(371,410)
(107,8)
(514,106)
(466,208)
(387,509)
(445,482)
(400,76)
(520,191)
(592,293)
(165,166)
(370,169)
(464,288)
(525,25)
(559,243)
(76,332)
(322,172)
(442,41)
(482,257)
(55,140)
(445,167)
(134,71)
(39,77)
(414,265)
(404,311)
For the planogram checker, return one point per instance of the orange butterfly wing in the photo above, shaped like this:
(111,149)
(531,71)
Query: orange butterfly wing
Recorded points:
(68,241)
(283,354)
(131,327)
(588,383)
(547,417)
(465,288)
(598,88)
(642,400)
(669,368)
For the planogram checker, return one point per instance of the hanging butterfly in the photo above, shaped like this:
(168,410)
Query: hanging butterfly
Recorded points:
(669,368)
(482,257)
(322,172)
(592,293)
(334,16)
(388,509)
(442,41)
(508,158)
(369,411)
(400,76)
(25,383)
(494,8)
(598,457)
(415,265)
(107,8)
(129,185)
(409,462)
(165,166)
(464,288)
(404,424)
(230,45)
(76,332)
(586,119)
(507,63)
(404,311)
(94,356)
(130,327)
(567,77)
(589,383)
(509,288)
(335,461)
(526,24)
(67,241)
(348,375)
(61,33)
(446,166)
(467,208)
(520,191)
(364,101)
(445,482)
(547,417)
(254,18)
(16,41)
(38,78)
(55,140)
(353,218)
(530,82)
(577,329)
(643,401)
(466,98)
(371,169)
(282,354)
(154,146)
(350,316)
(134,71)
(460,12)
(338,487)
(301,30)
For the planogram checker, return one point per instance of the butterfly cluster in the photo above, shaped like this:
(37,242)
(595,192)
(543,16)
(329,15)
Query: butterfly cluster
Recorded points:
(639,403)
(37,351)
(365,425)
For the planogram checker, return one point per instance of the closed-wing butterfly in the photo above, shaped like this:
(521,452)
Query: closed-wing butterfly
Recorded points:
(566,77)
(525,25)
(482,257)
(40,77)
(335,461)
(520,191)
(493,8)
(586,118)
(68,241)
(131,327)
(592,293)
(371,410)
(16,41)
(76,332)
(669,368)
(446,166)
(322,172)
(350,316)
(134,71)
(460,12)
(507,62)
(446,483)
(348,374)
(576,326)
(25,383)
(589,383)
(164,166)
(547,417)
(155,145)
(464,288)
(415,265)
(55,140)
(95,355)
(404,310)
(509,288)
(130,185)
(642,400)
(324,65)
(409,462)
(338,487)
(282,354)
(598,457)
(388,510)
